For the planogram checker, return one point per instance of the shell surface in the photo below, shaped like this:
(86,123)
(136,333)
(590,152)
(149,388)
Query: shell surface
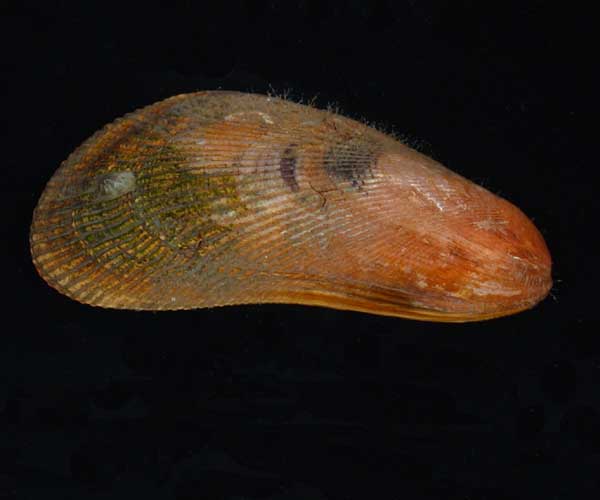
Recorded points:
(217,198)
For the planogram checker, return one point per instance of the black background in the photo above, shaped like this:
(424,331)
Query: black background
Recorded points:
(291,402)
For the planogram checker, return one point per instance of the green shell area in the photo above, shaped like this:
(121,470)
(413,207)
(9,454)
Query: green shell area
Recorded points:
(169,204)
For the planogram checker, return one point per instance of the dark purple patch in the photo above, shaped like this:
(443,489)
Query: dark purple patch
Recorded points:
(350,162)
(287,167)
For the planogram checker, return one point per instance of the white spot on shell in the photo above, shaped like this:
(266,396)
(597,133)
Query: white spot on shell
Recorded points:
(493,288)
(265,117)
(312,122)
(223,216)
(116,184)
(490,224)
(429,196)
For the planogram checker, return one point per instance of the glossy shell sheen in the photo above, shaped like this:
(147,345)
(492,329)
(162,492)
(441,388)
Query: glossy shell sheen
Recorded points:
(219,198)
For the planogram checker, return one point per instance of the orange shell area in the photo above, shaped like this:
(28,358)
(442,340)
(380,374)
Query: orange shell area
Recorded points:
(218,198)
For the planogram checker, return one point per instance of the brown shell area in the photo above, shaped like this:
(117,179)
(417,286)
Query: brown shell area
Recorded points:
(219,198)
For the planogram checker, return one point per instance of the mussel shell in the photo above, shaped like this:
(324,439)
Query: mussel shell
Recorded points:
(217,198)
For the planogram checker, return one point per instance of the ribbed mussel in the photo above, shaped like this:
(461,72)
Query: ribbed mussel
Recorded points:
(218,198)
